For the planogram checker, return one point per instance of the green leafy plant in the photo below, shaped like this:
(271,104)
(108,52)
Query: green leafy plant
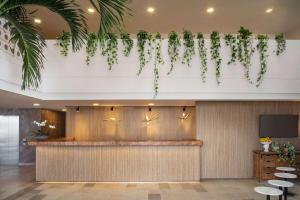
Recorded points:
(262,47)
(189,47)
(286,152)
(158,61)
(144,38)
(215,53)
(245,50)
(203,56)
(64,41)
(110,49)
(230,41)
(127,43)
(281,44)
(173,49)
(91,47)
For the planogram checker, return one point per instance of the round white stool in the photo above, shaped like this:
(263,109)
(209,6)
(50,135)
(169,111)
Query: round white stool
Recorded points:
(286,176)
(268,191)
(283,185)
(286,169)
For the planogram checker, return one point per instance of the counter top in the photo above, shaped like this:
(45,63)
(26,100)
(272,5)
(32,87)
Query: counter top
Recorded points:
(116,143)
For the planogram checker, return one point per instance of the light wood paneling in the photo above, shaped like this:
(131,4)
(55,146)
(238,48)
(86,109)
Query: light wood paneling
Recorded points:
(89,124)
(110,163)
(229,131)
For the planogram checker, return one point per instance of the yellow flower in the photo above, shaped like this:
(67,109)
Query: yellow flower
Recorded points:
(265,139)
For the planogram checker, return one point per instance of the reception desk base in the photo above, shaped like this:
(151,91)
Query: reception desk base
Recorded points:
(152,163)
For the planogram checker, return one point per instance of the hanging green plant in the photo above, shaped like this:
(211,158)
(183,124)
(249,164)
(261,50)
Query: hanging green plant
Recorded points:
(144,38)
(158,61)
(281,44)
(91,47)
(262,47)
(173,49)
(127,43)
(230,41)
(245,50)
(203,55)
(189,47)
(110,49)
(215,53)
(64,41)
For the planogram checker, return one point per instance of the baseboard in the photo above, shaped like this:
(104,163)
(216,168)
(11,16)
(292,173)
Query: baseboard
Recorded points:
(26,164)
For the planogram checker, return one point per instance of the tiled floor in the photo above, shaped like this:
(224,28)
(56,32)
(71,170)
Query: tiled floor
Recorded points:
(18,184)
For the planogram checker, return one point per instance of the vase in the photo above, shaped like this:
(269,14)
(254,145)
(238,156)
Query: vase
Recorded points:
(266,146)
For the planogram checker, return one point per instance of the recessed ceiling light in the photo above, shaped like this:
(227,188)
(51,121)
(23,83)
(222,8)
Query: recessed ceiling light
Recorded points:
(64,109)
(150,10)
(37,21)
(150,104)
(95,104)
(91,10)
(36,104)
(210,10)
(269,10)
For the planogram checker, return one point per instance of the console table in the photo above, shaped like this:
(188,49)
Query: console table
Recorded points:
(265,164)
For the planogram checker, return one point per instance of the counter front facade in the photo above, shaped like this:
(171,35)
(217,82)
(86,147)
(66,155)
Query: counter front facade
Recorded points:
(123,161)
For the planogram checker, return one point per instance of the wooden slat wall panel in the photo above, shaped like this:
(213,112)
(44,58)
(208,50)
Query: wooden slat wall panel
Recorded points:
(88,124)
(127,163)
(229,131)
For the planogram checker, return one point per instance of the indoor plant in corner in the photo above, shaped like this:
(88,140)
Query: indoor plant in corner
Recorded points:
(42,133)
(286,153)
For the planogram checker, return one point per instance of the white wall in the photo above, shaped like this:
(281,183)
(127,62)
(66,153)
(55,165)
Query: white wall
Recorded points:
(70,78)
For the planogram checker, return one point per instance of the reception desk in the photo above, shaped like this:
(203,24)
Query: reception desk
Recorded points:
(117,161)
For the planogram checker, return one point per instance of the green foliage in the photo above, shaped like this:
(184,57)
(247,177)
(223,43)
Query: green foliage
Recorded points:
(230,41)
(91,47)
(215,53)
(285,152)
(64,41)
(281,44)
(27,38)
(173,49)
(127,43)
(262,47)
(245,50)
(144,38)
(110,49)
(189,47)
(203,56)
(158,61)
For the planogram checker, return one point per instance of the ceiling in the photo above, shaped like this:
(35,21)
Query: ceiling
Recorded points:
(13,100)
(177,15)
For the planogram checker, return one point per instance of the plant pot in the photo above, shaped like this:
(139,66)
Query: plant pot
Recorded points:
(266,146)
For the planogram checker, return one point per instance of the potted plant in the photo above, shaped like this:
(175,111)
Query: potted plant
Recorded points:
(265,141)
(286,153)
(43,132)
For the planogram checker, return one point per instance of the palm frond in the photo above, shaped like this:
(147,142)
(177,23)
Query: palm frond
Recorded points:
(30,43)
(67,9)
(111,14)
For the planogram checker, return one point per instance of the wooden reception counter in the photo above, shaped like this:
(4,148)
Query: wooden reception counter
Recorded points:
(124,161)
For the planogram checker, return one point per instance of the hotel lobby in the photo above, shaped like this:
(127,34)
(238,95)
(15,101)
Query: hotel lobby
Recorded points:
(149,100)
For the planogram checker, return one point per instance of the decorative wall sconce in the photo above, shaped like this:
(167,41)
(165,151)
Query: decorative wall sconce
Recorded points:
(112,118)
(149,117)
(184,115)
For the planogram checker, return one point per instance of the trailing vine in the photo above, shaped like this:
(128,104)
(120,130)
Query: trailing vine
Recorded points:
(281,44)
(110,49)
(203,56)
(144,38)
(91,47)
(262,47)
(189,47)
(173,49)
(230,41)
(127,43)
(158,61)
(63,41)
(245,50)
(215,53)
